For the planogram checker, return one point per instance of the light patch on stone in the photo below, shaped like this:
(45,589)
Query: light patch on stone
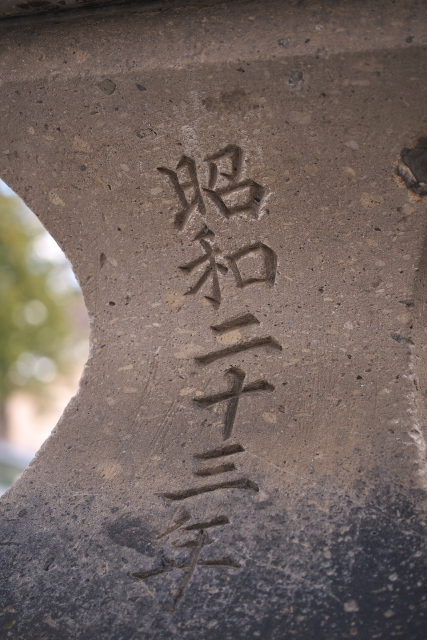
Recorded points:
(50,621)
(349,325)
(126,368)
(352,144)
(186,391)
(188,351)
(229,338)
(174,300)
(370,66)
(350,171)
(109,471)
(271,179)
(407,209)
(371,200)
(356,83)
(291,362)
(130,390)
(31,130)
(56,200)
(80,145)
(311,169)
(300,117)
(351,606)
(413,197)
(82,56)
(372,243)
(417,435)
(271,418)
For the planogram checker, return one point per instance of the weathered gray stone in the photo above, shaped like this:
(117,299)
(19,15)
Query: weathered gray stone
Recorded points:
(159,508)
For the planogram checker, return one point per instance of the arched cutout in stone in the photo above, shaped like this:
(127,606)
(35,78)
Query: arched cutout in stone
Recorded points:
(44,335)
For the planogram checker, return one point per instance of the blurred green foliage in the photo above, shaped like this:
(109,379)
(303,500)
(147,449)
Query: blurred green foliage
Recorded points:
(37,300)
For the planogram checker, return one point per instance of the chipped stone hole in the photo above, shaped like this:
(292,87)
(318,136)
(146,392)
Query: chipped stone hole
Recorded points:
(412,167)
(44,335)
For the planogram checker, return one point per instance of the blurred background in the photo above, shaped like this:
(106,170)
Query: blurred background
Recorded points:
(44,335)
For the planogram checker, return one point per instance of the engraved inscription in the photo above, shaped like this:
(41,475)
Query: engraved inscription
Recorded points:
(248,193)
(227,450)
(268,341)
(233,397)
(211,271)
(186,185)
(216,470)
(240,483)
(267,257)
(229,194)
(227,163)
(262,266)
(233,323)
(164,564)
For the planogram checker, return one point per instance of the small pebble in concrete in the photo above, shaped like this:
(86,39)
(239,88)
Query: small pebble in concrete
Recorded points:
(107,86)
(295,80)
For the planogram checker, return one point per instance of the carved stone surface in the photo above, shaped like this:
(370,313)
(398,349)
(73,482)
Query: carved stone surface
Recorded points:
(245,457)
(22,8)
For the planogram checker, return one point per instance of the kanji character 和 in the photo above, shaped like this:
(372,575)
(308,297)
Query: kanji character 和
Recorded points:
(211,270)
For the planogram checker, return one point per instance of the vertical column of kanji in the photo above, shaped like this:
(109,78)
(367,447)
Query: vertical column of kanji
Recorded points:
(215,469)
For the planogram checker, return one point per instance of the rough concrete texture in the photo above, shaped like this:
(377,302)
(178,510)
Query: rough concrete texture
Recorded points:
(245,457)
(23,8)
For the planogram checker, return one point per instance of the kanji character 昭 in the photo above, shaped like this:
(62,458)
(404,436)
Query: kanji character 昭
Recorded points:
(234,196)
(188,192)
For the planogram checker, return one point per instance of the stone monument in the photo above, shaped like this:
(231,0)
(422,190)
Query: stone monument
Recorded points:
(239,187)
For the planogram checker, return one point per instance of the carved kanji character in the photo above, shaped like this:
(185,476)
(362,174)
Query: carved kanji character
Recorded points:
(165,564)
(252,343)
(233,154)
(188,191)
(211,270)
(263,270)
(268,258)
(233,197)
(232,397)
